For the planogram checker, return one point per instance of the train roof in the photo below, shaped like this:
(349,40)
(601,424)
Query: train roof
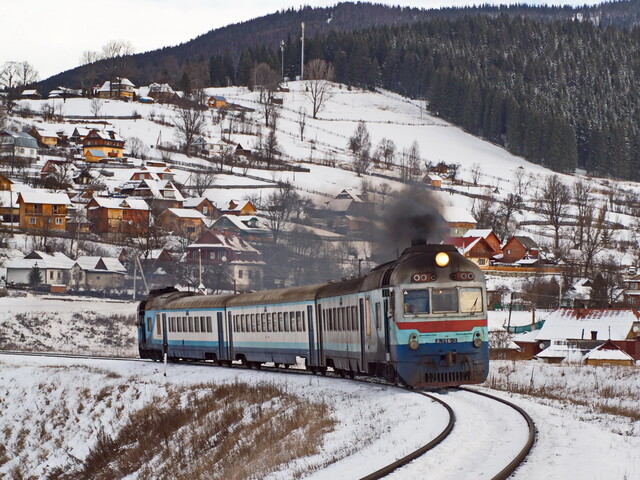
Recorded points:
(283,295)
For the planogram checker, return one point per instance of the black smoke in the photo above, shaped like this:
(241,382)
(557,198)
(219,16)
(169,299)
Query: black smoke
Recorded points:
(413,217)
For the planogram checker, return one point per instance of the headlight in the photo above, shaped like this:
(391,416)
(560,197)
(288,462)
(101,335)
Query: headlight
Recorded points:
(442,259)
(477,342)
(413,342)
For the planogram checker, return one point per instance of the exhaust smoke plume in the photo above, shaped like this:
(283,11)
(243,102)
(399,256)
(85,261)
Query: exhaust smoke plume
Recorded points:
(414,217)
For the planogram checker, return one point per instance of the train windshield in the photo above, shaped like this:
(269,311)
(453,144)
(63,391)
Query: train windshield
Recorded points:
(445,300)
(416,301)
(471,300)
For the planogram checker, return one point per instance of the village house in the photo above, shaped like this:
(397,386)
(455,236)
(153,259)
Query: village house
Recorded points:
(161,92)
(54,268)
(159,194)
(204,147)
(17,148)
(46,138)
(40,210)
(9,208)
(459,220)
(97,273)
(217,101)
(79,133)
(99,145)
(520,248)
(121,88)
(432,180)
(184,222)
(249,227)
(237,207)
(203,205)
(30,94)
(569,330)
(488,234)
(476,249)
(129,216)
(631,293)
(227,248)
(608,354)
(153,173)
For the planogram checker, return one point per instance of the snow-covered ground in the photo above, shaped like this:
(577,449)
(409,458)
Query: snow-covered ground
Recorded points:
(587,417)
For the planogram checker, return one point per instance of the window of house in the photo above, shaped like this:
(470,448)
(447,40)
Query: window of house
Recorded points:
(212,255)
(32,221)
(205,210)
(58,221)
(50,275)
(240,273)
(508,251)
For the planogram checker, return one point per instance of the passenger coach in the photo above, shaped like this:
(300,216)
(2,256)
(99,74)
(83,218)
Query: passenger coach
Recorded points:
(420,319)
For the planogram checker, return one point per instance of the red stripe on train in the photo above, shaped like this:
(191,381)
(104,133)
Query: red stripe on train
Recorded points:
(443,325)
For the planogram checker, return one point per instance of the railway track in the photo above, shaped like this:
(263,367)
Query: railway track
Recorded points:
(395,468)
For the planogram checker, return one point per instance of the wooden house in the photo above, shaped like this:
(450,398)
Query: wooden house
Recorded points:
(159,194)
(459,220)
(476,249)
(433,180)
(249,227)
(120,88)
(184,222)
(203,205)
(153,173)
(30,94)
(54,268)
(226,248)
(41,210)
(44,137)
(217,101)
(9,209)
(519,248)
(108,142)
(608,354)
(488,234)
(17,148)
(631,294)
(238,207)
(161,92)
(118,215)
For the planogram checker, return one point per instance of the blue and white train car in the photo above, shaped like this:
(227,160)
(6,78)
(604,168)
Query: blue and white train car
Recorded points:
(420,320)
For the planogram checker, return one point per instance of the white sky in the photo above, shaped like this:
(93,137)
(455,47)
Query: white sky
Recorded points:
(53,35)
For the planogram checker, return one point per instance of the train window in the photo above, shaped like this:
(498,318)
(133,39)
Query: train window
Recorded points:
(269,323)
(245,323)
(253,322)
(392,302)
(416,301)
(191,324)
(280,322)
(196,324)
(292,321)
(445,300)
(178,325)
(203,324)
(286,321)
(209,326)
(378,323)
(354,318)
(263,321)
(471,300)
(148,324)
(158,324)
(299,321)
(185,324)
(304,327)
(367,316)
(174,324)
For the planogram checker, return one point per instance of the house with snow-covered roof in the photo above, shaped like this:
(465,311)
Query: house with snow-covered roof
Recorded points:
(518,248)
(587,328)
(227,248)
(108,142)
(120,88)
(129,216)
(54,268)
(488,234)
(17,148)
(204,205)
(47,138)
(97,273)
(250,227)
(31,94)
(476,249)
(161,92)
(239,207)
(608,354)
(40,210)
(148,172)
(459,220)
(184,222)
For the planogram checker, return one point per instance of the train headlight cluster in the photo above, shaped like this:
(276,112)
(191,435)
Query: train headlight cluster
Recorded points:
(413,342)
(477,341)
(442,259)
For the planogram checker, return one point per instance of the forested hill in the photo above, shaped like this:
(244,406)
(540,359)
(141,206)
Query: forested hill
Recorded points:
(555,85)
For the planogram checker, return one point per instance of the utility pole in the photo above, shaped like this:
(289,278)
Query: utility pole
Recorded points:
(282,60)
(302,54)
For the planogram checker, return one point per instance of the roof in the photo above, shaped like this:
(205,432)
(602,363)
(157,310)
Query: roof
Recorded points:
(186,213)
(478,232)
(21,139)
(608,351)
(457,215)
(96,153)
(44,260)
(528,242)
(226,239)
(42,197)
(579,323)
(120,203)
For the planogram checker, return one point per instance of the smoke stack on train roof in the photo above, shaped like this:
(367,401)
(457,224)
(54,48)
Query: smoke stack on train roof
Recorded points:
(414,219)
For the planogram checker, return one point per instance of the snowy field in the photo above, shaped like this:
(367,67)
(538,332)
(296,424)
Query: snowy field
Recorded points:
(582,413)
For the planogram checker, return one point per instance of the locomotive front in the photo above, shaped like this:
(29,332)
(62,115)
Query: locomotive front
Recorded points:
(440,318)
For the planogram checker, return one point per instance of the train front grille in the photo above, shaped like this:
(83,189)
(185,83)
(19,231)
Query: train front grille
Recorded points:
(448,377)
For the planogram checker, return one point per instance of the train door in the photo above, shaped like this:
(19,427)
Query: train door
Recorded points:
(230,336)
(165,340)
(313,352)
(387,327)
(220,324)
(320,333)
(363,344)
(142,331)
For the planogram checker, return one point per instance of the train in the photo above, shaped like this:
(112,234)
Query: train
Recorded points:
(420,320)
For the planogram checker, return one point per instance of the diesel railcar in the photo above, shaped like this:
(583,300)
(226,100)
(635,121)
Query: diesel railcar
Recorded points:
(420,320)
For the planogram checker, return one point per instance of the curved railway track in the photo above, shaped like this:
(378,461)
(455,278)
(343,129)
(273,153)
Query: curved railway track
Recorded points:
(503,474)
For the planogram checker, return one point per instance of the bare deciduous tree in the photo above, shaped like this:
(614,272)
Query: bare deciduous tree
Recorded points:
(9,75)
(595,235)
(319,75)
(27,73)
(138,148)
(302,121)
(360,146)
(582,198)
(202,180)
(553,204)
(386,151)
(96,106)
(190,123)
(117,60)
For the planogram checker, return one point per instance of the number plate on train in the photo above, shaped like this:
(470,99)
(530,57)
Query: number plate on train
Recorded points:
(446,340)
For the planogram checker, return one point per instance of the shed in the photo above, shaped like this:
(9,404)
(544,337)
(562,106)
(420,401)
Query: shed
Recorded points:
(608,354)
